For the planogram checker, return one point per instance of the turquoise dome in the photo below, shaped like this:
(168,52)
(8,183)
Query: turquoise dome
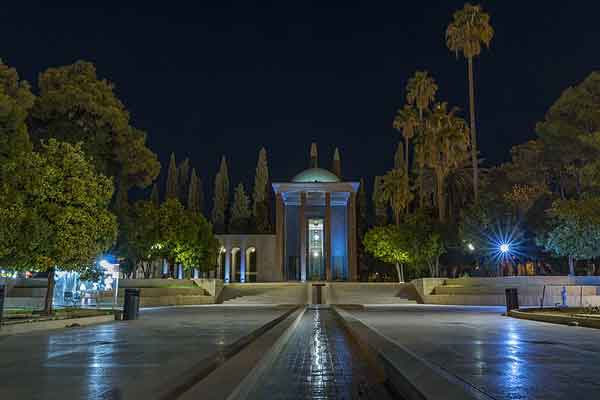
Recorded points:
(315,175)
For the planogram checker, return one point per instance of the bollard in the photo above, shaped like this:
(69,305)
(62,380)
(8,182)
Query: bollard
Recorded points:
(2,295)
(131,304)
(512,299)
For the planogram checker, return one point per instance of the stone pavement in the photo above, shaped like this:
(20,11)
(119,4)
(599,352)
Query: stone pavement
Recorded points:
(103,361)
(504,357)
(319,361)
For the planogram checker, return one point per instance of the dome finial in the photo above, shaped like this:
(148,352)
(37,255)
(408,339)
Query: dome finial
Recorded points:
(314,158)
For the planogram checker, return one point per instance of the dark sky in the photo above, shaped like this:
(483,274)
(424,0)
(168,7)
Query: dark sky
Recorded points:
(210,78)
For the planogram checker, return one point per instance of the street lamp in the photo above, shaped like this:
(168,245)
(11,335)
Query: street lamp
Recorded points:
(504,248)
(471,247)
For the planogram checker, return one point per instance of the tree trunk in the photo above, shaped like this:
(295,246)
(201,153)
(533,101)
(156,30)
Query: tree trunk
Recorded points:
(473,130)
(406,153)
(400,272)
(49,293)
(441,199)
(571,266)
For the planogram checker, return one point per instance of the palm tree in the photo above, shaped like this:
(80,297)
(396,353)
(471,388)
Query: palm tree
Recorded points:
(396,191)
(470,29)
(406,122)
(420,93)
(445,146)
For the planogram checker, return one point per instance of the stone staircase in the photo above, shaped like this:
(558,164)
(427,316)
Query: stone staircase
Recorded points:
(264,293)
(371,293)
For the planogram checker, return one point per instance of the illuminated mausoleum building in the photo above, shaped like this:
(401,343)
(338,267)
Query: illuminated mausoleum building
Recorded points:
(315,232)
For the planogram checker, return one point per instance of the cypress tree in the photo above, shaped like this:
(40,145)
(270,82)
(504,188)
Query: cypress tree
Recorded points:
(221,197)
(193,203)
(240,211)
(183,179)
(260,206)
(379,203)
(155,196)
(362,208)
(172,192)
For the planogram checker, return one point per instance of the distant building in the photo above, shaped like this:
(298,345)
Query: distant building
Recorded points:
(315,235)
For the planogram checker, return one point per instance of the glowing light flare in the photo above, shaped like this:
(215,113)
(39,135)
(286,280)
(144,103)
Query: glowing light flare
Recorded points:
(504,247)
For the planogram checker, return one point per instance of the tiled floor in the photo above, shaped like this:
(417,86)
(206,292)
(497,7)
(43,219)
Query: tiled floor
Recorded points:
(319,362)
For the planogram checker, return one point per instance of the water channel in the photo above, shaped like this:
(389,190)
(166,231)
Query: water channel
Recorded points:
(320,361)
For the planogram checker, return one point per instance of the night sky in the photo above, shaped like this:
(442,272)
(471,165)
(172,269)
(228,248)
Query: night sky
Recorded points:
(228,79)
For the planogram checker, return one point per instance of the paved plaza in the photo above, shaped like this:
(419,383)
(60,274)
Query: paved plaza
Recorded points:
(111,361)
(506,358)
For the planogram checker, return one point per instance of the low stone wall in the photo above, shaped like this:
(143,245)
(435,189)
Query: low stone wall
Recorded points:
(491,291)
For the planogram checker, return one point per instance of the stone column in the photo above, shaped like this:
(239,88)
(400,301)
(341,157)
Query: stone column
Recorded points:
(327,238)
(302,215)
(352,251)
(227,265)
(279,234)
(243,263)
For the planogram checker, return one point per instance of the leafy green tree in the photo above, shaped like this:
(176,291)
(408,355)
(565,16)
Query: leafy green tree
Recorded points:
(143,236)
(74,105)
(221,197)
(172,180)
(260,206)
(468,31)
(57,208)
(426,243)
(390,244)
(240,211)
(576,230)
(176,229)
(15,102)
(570,138)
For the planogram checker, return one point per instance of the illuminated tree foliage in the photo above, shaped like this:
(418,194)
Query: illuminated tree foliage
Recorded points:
(390,244)
(57,208)
(576,230)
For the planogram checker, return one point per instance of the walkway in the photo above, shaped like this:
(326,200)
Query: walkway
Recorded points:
(111,361)
(504,357)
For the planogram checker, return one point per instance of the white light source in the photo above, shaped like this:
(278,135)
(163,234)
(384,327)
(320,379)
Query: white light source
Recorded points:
(316,237)
(471,247)
(105,264)
(316,254)
(504,248)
